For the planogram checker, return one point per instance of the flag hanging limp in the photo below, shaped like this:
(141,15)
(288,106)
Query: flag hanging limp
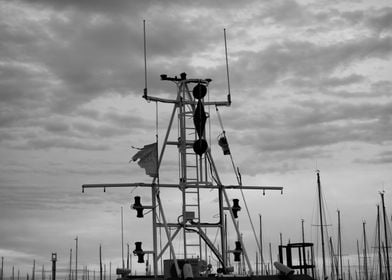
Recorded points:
(148,159)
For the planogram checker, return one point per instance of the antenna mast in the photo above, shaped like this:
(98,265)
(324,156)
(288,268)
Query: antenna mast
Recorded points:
(321,223)
(227,68)
(145,58)
(197,175)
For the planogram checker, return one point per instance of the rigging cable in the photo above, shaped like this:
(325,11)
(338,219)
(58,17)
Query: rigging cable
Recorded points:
(238,176)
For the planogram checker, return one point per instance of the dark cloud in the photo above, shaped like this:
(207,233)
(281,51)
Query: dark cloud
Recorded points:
(57,126)
(287,139)
(315,123)
(308,81)
(305,60)
(324,82)
(381,20)
(101,6)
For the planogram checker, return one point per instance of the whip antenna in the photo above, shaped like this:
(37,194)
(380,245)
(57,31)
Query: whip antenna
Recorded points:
(145,59)
(227,68)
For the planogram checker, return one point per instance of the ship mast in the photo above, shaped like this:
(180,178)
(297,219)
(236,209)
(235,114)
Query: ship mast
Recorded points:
(340,274)
(379,243)
(193,178)
(386,236)
(197,172)
(321,223)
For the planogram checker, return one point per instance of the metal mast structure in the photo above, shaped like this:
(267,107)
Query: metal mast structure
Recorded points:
(197,172)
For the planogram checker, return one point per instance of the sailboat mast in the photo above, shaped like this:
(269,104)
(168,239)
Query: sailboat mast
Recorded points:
(261,247)
(122,238)
(359,260)
(76,259)
(70,264)
(270,253)
(100,262)
(340,248)
(365,267)
(386,236)
(379,241)
(2,268)
(321,223)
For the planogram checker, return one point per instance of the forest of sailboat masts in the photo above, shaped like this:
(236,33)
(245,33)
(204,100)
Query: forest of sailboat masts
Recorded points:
(370,261)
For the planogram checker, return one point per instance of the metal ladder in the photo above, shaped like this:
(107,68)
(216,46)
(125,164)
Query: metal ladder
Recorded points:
(192,171)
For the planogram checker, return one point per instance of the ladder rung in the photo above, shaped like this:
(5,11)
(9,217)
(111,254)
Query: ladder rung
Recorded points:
(172,143)
(191,205)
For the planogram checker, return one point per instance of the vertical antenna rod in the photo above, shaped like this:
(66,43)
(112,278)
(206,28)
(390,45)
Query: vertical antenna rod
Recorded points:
(145,59)
(227,67)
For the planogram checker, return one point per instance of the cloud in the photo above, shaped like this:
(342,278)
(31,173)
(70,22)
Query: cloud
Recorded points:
(382,158)
(304,60)
(380,20)
(310,82)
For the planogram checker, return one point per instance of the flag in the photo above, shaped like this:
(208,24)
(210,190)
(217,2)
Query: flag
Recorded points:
(148,159)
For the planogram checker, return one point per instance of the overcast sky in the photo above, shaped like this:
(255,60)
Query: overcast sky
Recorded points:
(311,89)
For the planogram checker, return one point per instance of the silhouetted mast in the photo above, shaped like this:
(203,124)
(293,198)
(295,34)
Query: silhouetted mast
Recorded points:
(359,260)
(379,241)
(261,247)
(100,262)
(54,260)
(386,236)
(321,222)
(340,248)
(76,259)
(365,264)
(122,238)
(197,172)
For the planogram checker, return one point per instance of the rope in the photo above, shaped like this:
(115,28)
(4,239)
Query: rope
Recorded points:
(236,172)
(250,220)
(238,175)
